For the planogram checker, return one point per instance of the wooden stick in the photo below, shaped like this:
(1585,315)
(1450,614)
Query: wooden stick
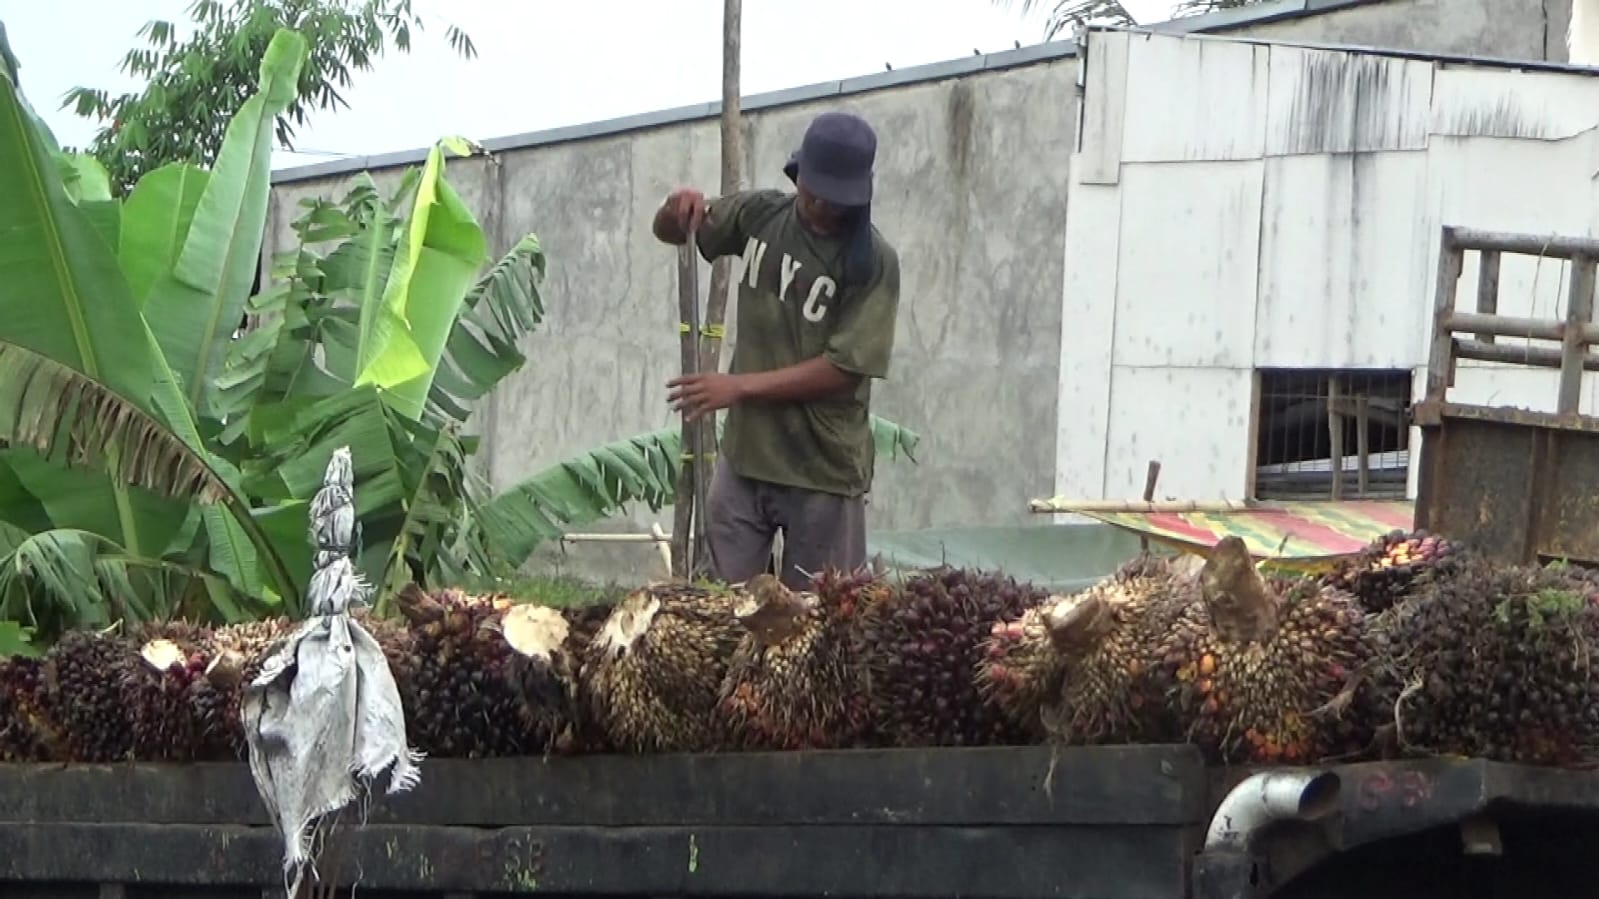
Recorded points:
(1151,476)
(688,315)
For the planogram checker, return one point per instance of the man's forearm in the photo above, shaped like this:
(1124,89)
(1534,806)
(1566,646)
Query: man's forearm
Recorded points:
(813,379)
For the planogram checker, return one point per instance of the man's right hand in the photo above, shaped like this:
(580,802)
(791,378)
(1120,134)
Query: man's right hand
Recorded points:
(680,215)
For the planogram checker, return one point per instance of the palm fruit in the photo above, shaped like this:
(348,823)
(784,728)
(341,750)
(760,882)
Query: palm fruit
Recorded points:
(653,674)
(1113,689)
(1265,670)
(794,681)
(484,675)
(1021,670)
(81,677)
(1494,662)
(541,670)
(922,645)
(1395,565)
(26,734)
(238,651)
(157,689)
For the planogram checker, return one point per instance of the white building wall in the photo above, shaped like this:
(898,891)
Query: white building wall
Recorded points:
(1236,205)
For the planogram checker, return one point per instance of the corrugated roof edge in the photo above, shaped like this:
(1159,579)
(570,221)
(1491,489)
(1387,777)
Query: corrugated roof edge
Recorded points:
(1048,51)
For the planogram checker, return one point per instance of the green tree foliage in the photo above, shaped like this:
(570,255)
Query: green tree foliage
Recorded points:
(196,75)
(1067,15)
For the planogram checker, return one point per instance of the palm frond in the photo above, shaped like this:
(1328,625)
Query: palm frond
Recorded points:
(482,348)
(1069,15)
(69,578)
(604,482)
(67,416)
(72,419)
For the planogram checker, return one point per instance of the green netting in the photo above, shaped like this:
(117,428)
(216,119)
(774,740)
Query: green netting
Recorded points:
(1062,558)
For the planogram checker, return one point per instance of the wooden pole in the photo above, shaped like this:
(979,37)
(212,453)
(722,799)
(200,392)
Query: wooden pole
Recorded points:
(710,337)
(688,318)
(732,181)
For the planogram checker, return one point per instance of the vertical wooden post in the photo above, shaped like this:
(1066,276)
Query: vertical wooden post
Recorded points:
(1440,360)
(714,332)
(1363,443)
(732,177)
(1335,435)
(1579,314)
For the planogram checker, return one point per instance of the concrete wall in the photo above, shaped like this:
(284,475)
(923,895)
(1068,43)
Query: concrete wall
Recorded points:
(973,185)
(1293,224)
(1509,29)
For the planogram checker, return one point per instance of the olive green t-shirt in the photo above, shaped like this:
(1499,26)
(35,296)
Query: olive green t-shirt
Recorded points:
(793,306)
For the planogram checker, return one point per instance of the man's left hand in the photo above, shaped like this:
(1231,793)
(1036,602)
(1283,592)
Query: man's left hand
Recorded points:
(699,395)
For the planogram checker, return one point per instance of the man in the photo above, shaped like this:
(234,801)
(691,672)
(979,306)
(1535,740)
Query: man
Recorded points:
(818,293)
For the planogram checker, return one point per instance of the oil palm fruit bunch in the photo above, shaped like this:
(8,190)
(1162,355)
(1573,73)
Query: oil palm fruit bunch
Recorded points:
(1021,670)
(237,653)
(1113,688)
(1266,671)
(542,670)
(1495,662)
(457,674)
(922,646)
(794,681)
(26,734)
(82,678)
(1395,565)
(653,674)
(157,689)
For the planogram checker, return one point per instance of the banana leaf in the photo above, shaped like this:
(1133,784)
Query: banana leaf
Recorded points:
(441,252)
(156,219)
(603,482)
(196,306)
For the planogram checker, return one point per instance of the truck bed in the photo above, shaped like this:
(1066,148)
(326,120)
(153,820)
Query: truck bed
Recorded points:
(988,823)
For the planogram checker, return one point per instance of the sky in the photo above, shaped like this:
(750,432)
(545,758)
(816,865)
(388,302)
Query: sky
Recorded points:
(542,64)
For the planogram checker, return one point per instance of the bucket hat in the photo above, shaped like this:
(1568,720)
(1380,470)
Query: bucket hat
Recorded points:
(835,159)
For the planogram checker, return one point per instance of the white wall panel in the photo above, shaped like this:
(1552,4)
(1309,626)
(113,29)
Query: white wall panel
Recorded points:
(1087,322)
(1194,421)
(1186,264)
(1328,102)
(1194,100)
(1497,102)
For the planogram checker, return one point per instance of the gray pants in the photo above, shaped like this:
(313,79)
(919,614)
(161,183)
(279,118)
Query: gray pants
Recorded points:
(819,529)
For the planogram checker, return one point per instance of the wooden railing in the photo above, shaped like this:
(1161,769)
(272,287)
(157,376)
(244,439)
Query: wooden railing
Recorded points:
(1576,331)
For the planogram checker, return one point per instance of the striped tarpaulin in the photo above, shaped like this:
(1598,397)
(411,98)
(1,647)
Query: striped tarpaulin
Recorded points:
(1306,535)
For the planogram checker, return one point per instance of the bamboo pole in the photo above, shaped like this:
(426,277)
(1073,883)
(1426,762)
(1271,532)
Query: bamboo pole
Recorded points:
(1064,505)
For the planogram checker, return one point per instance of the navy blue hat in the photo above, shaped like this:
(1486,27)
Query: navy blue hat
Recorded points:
(835,159)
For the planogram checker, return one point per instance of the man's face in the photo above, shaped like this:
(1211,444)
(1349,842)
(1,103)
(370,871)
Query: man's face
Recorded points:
(819,215)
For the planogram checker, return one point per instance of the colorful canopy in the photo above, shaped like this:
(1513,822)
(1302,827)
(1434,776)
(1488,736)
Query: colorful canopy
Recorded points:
(1302,535)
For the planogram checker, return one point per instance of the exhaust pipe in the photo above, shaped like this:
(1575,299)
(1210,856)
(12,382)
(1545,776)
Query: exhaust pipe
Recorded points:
(1268,797)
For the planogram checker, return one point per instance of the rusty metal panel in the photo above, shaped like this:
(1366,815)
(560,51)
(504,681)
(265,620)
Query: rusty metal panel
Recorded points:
(1567,507)
(1477,485)
(1521,488)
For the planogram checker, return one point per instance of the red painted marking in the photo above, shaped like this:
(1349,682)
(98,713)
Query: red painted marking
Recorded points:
(1177,525)
(1328,539)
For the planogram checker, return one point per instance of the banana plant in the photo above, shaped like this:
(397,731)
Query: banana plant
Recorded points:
(96,436)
